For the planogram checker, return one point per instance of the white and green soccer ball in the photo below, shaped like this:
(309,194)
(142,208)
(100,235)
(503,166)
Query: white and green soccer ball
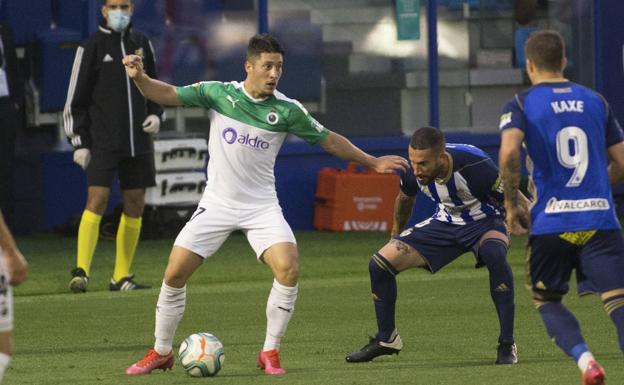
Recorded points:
(201,355)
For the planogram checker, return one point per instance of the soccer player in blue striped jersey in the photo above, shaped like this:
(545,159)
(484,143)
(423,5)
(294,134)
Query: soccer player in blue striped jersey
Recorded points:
(464,183)
(570,135)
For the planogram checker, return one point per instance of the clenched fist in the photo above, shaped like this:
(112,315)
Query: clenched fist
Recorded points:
(134,66)
(82,157)
(151,125)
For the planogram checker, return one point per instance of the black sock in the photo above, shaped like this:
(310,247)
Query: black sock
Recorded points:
(493,252)
(614,306)
(384,288)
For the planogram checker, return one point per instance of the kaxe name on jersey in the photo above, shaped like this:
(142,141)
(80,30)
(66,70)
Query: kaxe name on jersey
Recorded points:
(567,106)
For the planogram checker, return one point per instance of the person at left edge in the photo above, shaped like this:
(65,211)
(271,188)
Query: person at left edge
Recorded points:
(13,271)
(11,116)
(109,124)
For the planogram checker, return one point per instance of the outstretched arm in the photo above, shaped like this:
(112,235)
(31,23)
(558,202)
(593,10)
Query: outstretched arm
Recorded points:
(341,147)
(155,90)
(15,261)
(509,164)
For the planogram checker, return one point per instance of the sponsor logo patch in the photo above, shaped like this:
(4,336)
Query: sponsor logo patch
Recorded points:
(568,205)
(230,136)
(505,119)
(232,100)
(272,117)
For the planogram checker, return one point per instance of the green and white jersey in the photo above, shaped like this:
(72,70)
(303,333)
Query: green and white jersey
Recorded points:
(245,137)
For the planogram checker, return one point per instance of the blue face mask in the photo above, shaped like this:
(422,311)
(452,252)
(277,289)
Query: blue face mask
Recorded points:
(118,20)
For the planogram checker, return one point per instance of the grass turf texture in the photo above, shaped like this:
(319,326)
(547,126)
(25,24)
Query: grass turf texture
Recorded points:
(447,320)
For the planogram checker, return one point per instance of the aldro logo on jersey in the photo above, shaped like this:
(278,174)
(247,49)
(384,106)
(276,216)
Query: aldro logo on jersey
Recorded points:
(231,136)
(272,117)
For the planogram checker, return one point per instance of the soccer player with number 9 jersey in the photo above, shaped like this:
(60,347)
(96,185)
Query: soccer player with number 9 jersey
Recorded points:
(570,135)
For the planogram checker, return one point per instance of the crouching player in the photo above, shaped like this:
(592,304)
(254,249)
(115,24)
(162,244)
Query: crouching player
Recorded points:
(464,183)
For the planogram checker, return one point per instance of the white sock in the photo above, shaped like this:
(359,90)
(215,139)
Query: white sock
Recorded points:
(279,310)
(4,364)
(169,312)
(583,361)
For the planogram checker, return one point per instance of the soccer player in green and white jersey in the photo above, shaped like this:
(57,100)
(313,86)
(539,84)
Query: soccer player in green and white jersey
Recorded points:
(13,271)
(248,123)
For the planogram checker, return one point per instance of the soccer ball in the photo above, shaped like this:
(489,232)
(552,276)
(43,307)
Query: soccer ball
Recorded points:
(201,355)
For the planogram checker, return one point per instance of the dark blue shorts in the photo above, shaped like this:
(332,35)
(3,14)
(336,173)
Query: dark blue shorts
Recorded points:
(599,263)
(440,243)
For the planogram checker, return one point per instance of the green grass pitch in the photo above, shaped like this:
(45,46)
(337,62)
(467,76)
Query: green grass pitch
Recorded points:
(446,320)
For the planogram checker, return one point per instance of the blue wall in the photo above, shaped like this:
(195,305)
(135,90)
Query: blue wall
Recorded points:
(63,191)
(610,53)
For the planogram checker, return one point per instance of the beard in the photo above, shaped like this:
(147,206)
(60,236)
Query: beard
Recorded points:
(435,174)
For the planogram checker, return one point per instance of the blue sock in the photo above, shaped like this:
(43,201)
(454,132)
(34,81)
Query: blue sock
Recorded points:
(563,328)
(615,308)
(384,288)
(577,351)
(493,253)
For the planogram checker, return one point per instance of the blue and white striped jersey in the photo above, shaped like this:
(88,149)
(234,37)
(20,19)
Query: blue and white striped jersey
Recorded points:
(473,191)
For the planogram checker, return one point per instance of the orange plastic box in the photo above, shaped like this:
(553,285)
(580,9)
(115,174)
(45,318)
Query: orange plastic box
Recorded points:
(348,200)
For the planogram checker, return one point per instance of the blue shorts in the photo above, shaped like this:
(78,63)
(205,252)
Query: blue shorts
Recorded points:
(440,243)
(598,261)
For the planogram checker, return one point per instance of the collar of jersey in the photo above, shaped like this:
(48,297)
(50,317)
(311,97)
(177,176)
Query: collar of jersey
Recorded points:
(255,100)
(554,80)
(449,172)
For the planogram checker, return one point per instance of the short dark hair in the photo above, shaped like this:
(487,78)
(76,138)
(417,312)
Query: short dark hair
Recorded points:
(546,50)
(425,138)
(104,2)
(263,42)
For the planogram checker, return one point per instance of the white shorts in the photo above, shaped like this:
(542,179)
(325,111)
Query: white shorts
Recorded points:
(6,298)
(214,221)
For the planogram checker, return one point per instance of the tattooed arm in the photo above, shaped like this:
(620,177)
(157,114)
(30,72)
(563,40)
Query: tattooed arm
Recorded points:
(509,164)
(402,210)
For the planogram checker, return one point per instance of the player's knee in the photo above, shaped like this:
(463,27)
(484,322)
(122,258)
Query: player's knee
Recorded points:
(175,277)
(6,344)
(379,267)
(493,251)
(287,273)
(133,206)
(290,275)
(175,280)
(96,204)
